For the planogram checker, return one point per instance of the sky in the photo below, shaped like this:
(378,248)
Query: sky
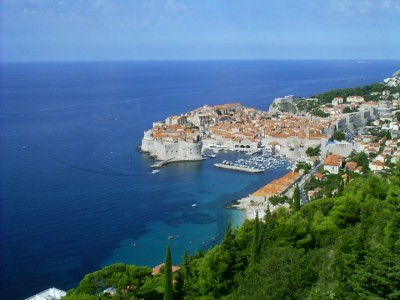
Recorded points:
(92,30)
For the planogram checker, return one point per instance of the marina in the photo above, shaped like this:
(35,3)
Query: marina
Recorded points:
(255,163)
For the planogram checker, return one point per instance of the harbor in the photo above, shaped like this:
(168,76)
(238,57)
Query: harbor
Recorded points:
(255,163)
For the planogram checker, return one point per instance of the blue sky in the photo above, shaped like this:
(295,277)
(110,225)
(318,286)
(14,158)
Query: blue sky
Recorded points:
(71,30)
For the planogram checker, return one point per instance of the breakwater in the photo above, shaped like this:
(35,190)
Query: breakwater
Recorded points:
(238,168)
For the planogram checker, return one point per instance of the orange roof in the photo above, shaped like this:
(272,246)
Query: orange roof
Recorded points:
(280,135)
(277,186)
(319,176)
(378,163)
(351,165)
(316,136)
(333,160)
(158,135)
(301,135)
(227,136)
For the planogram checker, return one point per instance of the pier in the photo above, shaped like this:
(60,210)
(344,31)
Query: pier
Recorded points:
(161,163)
(254,152)
(239,168)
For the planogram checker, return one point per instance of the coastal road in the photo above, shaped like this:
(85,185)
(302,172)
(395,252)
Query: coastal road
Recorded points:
(306,177)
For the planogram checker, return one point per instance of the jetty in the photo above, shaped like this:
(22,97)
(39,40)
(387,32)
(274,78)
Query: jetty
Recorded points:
(239,168)
(161,163)
(254,151)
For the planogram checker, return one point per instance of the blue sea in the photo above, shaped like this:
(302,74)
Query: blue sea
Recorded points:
(76,194)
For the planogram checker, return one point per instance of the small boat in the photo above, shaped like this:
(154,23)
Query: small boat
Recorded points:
(194,204)
(155,171)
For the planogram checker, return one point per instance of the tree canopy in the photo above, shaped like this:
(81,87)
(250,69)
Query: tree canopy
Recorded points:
(339,136)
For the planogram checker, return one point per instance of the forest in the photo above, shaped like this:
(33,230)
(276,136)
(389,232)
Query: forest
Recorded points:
(343,247)
(364,91)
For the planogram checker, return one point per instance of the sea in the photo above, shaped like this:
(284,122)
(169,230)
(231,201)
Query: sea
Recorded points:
(76,194)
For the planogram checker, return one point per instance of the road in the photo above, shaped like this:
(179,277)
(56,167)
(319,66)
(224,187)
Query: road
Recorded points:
(305,178)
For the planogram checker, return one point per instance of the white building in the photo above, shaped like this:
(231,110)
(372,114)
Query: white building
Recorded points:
(385,110)
(49,294)
(333,163)
(376,165)
(337,101)
(355,99)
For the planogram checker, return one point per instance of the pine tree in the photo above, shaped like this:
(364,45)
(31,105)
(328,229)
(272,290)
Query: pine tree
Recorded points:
(168,275)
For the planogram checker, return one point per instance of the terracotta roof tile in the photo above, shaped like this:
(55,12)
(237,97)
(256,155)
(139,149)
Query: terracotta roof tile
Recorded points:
(333,160)
(277,186)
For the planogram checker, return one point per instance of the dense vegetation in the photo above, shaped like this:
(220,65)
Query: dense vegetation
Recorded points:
(313,151)
(347,247)
(364,91)
(339,136)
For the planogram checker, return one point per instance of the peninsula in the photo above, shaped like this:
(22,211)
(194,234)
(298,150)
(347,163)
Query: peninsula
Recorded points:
(318,133)
(291,126)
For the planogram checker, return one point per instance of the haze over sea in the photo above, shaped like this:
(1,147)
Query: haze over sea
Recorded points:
(76,194)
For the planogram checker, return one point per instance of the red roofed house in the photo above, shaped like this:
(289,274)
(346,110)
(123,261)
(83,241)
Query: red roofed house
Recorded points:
(359,170)
(319,176)
(351,166)
(377,165)
(333,163)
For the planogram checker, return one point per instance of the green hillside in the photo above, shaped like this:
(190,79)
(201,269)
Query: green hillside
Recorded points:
(346,247)
(364,91)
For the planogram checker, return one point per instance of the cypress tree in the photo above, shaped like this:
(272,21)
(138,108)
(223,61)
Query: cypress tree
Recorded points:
(296,199)
(266,236)
(228,240)
(168,275)
(256,240)
(186,265)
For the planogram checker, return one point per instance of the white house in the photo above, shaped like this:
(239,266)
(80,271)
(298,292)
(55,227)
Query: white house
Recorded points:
(376,165)
(333,163)
(355,99)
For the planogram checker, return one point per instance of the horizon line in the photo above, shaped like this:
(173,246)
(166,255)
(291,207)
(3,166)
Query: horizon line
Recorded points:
(360,60)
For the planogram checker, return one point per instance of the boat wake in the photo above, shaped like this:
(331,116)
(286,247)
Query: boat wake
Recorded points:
(101,172)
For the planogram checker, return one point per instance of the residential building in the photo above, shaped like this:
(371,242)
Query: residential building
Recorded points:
(333,163)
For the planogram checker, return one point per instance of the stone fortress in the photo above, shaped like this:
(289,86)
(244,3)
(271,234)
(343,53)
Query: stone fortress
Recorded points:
(237,128)
(170,149)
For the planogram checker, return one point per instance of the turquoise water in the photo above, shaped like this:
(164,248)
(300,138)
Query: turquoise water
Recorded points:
(76,194)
